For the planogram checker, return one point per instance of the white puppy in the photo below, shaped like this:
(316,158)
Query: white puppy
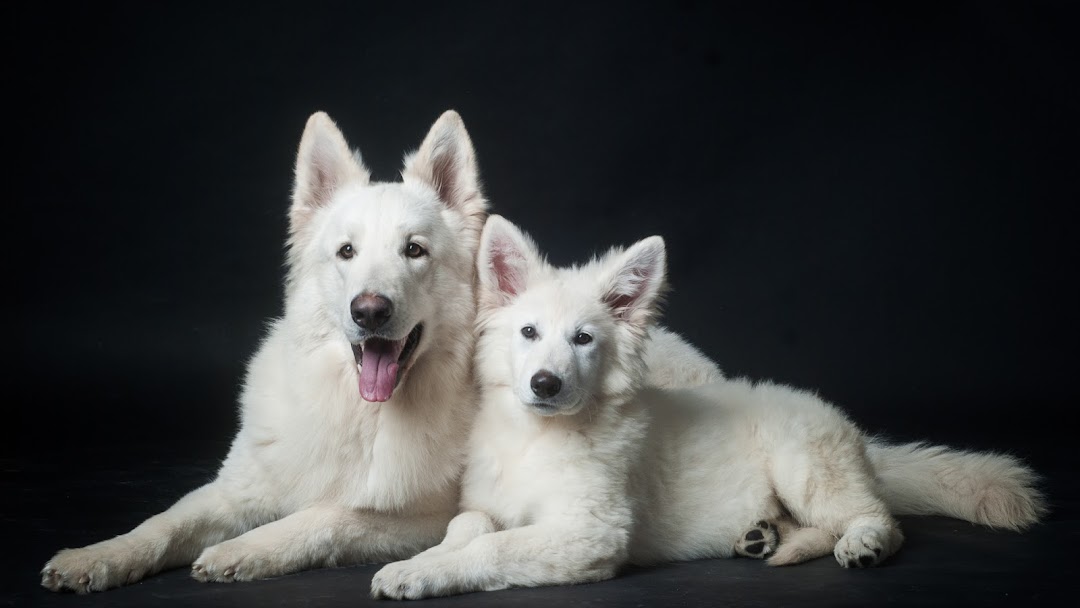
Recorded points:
(576,468)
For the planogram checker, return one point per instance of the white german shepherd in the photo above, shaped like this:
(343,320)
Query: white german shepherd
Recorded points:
(356,407)
(576,468)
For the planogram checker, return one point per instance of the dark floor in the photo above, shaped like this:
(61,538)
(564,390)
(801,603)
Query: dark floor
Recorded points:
(944,562)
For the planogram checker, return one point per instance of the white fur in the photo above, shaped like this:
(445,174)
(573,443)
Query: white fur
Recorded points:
(569,489)
(317,476)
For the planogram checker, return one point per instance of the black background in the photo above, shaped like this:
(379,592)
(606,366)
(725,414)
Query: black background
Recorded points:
(876,201)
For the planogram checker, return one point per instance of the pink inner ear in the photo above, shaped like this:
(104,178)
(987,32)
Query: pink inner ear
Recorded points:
(619,303)
(629,289)
(324,184)
(443,173)
(507,262)
(324,166)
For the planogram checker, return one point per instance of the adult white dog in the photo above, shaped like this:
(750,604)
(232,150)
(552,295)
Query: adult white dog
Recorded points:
(577,468)
(357,405)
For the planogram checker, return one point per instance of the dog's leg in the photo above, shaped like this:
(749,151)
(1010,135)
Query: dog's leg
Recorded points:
(461,531)
(319,536)
(167,540)
(760,541)
(802,545)
(530,556)
(826,482)
(781,542)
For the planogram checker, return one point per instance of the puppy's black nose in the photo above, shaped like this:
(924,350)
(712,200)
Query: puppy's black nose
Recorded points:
(545,384)
(370,310)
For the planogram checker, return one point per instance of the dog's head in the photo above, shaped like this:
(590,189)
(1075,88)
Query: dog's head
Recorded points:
(384,264)
(560,337)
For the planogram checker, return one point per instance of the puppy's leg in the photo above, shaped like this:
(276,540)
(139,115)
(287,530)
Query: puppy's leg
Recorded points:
(324,535)
(461,531)
(760,541)
(781,542)
(167,540)
(802,545)
(826,483)
(531,556)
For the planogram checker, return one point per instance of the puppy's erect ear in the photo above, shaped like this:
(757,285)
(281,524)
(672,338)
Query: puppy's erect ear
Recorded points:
(635,281)
(446,162)
(324,163)
(507,256)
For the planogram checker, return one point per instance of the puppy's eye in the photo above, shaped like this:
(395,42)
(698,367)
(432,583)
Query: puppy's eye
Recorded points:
(582,339)
(346,251)
(415,251)
(528,331)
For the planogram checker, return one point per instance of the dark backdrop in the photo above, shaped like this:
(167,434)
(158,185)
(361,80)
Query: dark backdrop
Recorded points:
(873,200)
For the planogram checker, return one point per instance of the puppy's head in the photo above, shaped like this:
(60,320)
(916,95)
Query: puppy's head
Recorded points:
(385,265)
(559,338)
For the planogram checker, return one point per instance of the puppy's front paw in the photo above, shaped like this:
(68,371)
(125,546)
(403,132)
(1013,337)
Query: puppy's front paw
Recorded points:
(237,560)
(759,542)
(411,579)
(96,567)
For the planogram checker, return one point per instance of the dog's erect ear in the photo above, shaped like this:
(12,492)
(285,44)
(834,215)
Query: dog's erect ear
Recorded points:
(446,162)
(635,281)
(324,163)
(507,256)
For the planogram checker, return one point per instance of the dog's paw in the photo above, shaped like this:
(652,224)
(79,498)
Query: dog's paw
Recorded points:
(98,567)
(759,542)
(862,547)
(235,560)
(411,579)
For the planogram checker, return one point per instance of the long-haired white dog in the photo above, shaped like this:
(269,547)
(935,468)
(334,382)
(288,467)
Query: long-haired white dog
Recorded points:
(577,468)
(356,407)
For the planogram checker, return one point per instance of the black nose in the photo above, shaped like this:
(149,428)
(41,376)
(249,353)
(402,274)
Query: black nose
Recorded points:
(371,311)
(545,384)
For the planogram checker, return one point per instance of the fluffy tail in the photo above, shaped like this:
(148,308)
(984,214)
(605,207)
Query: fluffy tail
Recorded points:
(995,490)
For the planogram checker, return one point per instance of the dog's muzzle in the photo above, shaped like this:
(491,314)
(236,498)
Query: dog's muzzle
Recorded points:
(382,363)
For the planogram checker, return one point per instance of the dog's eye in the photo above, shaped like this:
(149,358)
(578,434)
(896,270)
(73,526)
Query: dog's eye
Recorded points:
(582,338)
(415,251)
(346,251)
(528,331)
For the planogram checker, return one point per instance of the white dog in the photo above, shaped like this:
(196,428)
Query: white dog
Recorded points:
(356,408)
(576,469)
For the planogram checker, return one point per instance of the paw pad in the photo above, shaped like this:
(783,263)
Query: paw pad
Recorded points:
(759,542)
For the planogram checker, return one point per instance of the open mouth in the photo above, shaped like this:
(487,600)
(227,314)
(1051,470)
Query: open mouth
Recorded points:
(383,363)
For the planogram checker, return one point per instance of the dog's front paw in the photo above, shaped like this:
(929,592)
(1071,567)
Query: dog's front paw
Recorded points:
(864,546)
(97,567)
(235,560)
(411,579)
(759,542)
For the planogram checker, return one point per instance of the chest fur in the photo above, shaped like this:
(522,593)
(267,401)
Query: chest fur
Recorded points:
(523,473)
(309,437)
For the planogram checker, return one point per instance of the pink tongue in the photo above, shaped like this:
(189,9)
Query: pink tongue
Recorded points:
(379,368)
